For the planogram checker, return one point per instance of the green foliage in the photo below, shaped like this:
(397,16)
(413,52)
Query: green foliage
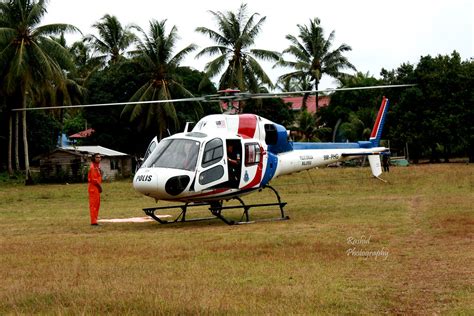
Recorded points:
(237,59)
(197,82)
(116,83)
(354,110)
(435,117)
(31,60)
(73,123)
(32,63)
(159,65)
(313,56)
(85,63)
(113,40)
(273,109)
(354,129)
(43,133)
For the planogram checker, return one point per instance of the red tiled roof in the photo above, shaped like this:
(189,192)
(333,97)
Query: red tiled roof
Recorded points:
(88,132)
(297,102)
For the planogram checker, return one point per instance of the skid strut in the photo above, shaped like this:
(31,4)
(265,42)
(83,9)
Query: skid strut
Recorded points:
(216,208)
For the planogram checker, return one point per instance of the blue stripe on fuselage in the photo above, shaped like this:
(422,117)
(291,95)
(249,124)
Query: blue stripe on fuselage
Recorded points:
(272,164)
(362,144)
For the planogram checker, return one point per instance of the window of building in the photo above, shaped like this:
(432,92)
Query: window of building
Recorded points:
(114,164)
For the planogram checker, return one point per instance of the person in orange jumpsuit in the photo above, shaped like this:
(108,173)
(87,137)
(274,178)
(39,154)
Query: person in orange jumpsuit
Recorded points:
(95,188)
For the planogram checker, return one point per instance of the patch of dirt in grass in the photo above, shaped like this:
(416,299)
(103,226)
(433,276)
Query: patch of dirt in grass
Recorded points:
(431,267)
(457,225)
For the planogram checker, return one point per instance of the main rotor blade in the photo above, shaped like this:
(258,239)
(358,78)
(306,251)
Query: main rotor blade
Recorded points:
(202,99)
(278,94)
(217,98)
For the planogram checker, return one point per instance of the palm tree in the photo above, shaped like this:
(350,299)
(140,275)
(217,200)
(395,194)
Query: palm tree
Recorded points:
(113,39)
(313,55)
(235,36)
(291,84)
(31,62)
(155,57)
(85,63)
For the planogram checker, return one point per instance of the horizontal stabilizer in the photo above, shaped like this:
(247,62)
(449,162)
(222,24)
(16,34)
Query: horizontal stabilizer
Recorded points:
(359,154)
(375,166)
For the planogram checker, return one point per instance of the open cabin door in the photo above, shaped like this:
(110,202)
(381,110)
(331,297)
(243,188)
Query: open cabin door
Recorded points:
(234,162)
(212,170)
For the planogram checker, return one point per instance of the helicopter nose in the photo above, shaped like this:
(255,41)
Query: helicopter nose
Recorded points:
(161,183)
(145,182)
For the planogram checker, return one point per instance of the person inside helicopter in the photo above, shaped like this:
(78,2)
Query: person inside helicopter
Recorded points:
(234,162)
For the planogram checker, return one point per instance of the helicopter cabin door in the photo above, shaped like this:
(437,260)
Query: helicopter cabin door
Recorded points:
(212,169)
(234,162)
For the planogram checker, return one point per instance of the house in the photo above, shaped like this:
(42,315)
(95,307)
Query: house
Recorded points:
(71,163)
(83,134)
(296,103)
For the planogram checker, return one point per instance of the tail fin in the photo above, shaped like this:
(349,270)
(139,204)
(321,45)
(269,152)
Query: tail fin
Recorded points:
(379,122)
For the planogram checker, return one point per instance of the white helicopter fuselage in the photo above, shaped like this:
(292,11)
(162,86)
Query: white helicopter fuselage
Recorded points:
(210,176)
(231,155)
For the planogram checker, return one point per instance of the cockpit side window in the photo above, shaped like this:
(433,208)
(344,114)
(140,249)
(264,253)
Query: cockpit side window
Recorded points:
(156,153)
(150,149)
(213,152)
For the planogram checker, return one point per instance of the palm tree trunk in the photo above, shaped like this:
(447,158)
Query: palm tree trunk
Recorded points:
(316,84)
(17,145)
(304,106)
(10,144)
(28,179)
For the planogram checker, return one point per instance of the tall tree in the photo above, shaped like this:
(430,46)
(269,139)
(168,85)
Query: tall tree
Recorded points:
(314,56)
(434,117)
(113,40)
(157,62)
(85,63)
(31,62)
(234,40)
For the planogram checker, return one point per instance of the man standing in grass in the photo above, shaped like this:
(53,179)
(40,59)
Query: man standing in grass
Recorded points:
(95,188)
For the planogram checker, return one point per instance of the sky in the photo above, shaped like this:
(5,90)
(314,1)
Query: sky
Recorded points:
(382,34)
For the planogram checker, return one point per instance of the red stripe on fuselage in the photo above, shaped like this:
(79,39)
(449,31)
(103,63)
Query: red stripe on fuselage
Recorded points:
(247,125)
(379,117)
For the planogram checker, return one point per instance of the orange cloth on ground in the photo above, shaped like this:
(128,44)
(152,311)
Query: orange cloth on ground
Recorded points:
(94,178)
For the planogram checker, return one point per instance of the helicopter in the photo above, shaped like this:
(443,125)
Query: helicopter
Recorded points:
(227,156)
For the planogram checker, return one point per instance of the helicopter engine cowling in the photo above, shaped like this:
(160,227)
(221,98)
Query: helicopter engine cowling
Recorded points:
(276,137)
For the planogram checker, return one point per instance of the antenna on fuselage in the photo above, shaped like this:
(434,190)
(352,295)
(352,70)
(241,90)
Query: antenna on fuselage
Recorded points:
(186,128)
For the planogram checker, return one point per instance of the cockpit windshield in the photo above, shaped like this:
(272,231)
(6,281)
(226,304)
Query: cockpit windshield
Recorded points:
(175,154)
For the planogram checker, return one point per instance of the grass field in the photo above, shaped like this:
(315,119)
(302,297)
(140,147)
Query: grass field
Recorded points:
(354,245)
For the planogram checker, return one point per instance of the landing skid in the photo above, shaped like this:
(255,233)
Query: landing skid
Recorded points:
(216,208)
